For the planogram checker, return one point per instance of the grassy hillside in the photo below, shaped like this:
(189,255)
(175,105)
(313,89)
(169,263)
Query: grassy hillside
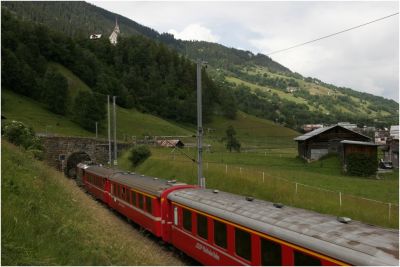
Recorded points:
(130,122)
(74,83)
(47,220)
(252,132)
(273,176)
(32,113)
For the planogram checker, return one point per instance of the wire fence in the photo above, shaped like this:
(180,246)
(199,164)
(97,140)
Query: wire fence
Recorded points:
(263,185)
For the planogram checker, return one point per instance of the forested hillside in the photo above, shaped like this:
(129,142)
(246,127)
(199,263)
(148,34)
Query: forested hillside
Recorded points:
(146,69)
(140,72)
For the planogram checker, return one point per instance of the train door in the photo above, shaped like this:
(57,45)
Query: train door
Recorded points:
(107,191)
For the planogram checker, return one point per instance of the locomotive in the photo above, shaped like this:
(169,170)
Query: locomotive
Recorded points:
(220,228)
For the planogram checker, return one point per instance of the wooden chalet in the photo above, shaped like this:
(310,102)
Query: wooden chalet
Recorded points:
(317,143)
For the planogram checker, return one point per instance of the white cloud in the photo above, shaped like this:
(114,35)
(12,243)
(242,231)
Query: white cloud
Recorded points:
(195,32)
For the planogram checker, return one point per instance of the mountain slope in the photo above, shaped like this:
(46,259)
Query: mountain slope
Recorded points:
(130,122)
(291,98)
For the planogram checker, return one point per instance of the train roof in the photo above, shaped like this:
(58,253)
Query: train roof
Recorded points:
(354,242)
(151,185)
(100,170)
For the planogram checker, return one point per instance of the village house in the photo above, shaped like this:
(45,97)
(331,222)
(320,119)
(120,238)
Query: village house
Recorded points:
(315,144)
(291,89)
(95,36)
(311,127)
(170,143)
(381,136)
(347,125)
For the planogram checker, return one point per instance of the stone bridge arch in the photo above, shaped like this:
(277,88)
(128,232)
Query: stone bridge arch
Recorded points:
(59,150)
(73,159)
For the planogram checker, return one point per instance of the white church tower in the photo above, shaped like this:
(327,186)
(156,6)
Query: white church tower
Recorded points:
(114,35)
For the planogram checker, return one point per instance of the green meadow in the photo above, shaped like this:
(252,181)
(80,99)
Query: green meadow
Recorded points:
(47,220)
(281,177)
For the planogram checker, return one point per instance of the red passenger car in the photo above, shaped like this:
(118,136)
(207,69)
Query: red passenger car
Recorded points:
(138,197)
(219,228)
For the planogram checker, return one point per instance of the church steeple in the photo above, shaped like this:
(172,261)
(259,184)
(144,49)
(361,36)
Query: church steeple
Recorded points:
(114,35)
(116,25)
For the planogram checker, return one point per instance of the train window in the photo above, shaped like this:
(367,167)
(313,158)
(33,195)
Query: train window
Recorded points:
(271,254)
(149,207)
(140,201)
(220,234)
(301,259)
(133,197)
(187,219)
(176,221)
(202,229)
(126,195)
(243,244)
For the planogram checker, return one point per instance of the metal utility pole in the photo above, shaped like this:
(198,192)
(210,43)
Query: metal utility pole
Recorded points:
(109,130)
(115,132)
(200,179)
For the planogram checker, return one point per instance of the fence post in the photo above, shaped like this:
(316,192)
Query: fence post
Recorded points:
(263,176)
(390,206)
(226,168)
(340,199)
(296,188)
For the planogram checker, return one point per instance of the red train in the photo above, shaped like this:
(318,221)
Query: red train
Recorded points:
(219,228)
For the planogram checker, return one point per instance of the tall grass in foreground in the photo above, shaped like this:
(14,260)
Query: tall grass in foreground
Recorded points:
(250,182)
(47,220)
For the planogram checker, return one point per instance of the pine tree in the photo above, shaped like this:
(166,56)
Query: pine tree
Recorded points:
(55,91)
(231,141)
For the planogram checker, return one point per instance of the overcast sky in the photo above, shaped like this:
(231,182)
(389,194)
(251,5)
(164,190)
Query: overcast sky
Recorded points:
(364,59)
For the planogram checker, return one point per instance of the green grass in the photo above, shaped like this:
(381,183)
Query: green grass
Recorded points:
(318,188)
(75,85)
(47,220)
(129,121)
(281,94)
(32,113)
(312,88)
(252,132)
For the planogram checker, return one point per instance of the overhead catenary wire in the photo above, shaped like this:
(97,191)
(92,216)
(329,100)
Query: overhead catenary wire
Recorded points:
(333,34)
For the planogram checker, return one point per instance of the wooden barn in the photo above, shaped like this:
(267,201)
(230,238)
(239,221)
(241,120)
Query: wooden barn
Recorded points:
(350,147)
(317,143)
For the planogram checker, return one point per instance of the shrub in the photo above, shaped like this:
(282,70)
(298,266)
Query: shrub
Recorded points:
(139,154)
(19,134)
(36,153)
(359,164)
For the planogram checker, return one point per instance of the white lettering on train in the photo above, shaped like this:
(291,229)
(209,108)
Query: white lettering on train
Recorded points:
(207,251)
